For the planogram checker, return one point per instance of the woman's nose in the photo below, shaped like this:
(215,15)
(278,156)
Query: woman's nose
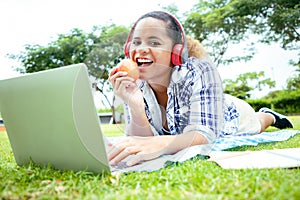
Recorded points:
(142,48)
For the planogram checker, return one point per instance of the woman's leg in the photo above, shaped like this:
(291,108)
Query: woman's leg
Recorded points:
(268,117)
(265,120)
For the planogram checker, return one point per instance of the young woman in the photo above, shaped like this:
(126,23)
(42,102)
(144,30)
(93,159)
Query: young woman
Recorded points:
(177,101)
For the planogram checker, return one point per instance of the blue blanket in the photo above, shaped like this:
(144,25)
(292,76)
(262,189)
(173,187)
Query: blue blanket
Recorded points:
(253,140)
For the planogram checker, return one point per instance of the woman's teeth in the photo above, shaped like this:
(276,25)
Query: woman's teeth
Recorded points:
(143,61)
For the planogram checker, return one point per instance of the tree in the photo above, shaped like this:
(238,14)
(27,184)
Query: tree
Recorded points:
(293,83)
(208,23)
(100,50)
(172,8)
(241,86)
(104,56)
(276,20)
(106,53)
(219,23)
(67,49)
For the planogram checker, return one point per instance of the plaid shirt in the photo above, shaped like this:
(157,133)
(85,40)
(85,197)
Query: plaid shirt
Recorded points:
(196,103)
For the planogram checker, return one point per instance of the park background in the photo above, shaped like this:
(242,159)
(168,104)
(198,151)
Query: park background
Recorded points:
(39,22)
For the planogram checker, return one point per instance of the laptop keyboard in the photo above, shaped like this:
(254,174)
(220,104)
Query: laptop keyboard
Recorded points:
(120,165)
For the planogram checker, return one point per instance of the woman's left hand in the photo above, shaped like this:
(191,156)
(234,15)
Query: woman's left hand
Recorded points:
(137,149)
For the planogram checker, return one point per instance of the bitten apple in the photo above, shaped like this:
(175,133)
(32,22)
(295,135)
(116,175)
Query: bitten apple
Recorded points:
(129,66)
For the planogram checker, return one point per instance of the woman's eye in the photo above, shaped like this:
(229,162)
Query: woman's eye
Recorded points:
(155,43)
(149,43)
(136,43)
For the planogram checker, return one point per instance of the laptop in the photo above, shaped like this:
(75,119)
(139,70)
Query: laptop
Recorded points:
(51,119)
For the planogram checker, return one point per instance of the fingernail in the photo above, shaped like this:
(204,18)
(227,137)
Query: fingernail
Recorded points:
(111,163)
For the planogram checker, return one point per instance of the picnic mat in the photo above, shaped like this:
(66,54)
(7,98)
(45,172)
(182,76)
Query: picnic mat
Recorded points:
(216,153)
(275,158)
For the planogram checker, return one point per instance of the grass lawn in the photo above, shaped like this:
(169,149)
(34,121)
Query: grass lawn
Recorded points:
(193,179)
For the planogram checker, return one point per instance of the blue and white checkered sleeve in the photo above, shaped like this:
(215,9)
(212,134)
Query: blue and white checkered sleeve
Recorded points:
(206,103)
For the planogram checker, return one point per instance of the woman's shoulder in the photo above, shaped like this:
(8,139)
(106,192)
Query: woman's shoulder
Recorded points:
(199,64)
(193,68)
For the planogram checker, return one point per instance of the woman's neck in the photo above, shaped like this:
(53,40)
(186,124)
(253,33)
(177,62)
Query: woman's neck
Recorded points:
(160,88)
(157,88)
(160,94)
(161,84)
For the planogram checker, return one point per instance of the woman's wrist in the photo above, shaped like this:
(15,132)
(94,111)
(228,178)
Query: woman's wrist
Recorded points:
(175,143)
(139,124)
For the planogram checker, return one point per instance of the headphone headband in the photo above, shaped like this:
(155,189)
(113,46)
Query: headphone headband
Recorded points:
(179,52)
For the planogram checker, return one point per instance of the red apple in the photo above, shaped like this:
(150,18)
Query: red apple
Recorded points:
(129,66)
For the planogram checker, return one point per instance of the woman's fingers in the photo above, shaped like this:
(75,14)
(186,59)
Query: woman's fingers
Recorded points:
(140,157)
(113,71)
(134,150)
(116,76)
(122,83)
(119,151)
(123,155)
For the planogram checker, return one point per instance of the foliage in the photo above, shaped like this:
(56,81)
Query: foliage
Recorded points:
(241,86)
(218,23)
(276,20)
(103,46)
(210,24)
(287,101)
(105,55)
(282,101)
(67,49)
(173,9)
(293,83)
(256,104)
(100,50)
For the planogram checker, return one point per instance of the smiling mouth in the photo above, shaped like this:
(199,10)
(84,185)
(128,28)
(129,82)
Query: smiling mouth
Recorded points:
(143,62)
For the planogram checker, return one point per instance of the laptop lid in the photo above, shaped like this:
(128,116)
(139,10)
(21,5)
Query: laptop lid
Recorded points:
(50,118)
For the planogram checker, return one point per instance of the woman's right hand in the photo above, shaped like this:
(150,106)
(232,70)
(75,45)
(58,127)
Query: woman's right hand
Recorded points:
(126,88)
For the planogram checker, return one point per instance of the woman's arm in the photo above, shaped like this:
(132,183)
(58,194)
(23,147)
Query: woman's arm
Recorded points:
(138,149)
(206,101)
(127,89)
(138,124)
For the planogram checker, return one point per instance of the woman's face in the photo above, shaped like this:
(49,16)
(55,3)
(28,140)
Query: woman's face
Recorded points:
(151,48)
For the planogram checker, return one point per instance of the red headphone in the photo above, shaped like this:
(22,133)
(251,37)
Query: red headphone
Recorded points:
(179,52)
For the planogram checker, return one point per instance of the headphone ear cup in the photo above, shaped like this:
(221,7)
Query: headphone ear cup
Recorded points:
(127,49)
(176,54)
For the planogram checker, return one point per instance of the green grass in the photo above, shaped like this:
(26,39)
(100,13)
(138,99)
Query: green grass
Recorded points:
(193,179)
